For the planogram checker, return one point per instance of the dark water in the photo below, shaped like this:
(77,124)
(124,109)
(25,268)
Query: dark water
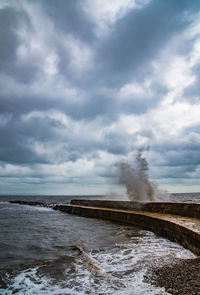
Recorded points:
(39,254)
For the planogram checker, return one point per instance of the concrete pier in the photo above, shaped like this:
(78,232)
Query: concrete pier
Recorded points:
(178,222)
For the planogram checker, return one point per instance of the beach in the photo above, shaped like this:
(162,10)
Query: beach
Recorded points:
(180,278)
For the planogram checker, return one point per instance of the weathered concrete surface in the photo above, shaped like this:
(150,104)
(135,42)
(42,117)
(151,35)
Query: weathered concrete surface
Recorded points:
(183,209)
(181,229)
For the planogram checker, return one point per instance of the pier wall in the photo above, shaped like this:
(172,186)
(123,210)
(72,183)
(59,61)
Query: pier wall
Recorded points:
(183,209)
(165,225)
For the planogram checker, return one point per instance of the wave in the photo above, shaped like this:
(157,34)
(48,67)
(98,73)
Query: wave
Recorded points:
(116,270)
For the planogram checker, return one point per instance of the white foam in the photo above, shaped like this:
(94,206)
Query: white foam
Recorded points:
(117,270)
(42,208)
(29,283)
(36,208)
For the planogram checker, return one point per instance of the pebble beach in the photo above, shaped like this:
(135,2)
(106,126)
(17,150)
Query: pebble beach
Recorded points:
(181,278)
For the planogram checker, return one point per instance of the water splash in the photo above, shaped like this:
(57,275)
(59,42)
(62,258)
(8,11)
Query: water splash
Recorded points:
(135,177)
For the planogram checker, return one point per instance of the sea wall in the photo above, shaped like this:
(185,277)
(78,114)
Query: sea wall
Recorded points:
(183,209)
(171,230)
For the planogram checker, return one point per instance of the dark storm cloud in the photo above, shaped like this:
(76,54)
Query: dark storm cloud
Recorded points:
(20,137)
(68,17)
(139,105)
(179,160)
(20,104)
(95,106)
(187,156)
(139,36)
(15,146)
(9,40)
(69,21)
(11,21)
(70,95)
(177,157)
(114,143)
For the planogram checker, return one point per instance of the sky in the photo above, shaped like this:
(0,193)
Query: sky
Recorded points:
(86,83)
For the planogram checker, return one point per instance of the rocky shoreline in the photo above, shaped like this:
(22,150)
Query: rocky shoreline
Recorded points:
(32,203)
(180,278)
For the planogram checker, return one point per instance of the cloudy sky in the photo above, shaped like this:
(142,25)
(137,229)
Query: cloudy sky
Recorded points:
(86,83)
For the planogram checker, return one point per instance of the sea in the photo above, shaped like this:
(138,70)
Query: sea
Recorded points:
(45,251)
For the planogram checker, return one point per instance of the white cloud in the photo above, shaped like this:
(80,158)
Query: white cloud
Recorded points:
(81,55)
(51,114)
(177,73)
(167,122)
(74,118)
(105,13)
(132,89)
(10,170)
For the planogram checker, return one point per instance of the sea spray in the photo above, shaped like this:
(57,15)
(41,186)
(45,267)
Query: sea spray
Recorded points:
(134,175)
